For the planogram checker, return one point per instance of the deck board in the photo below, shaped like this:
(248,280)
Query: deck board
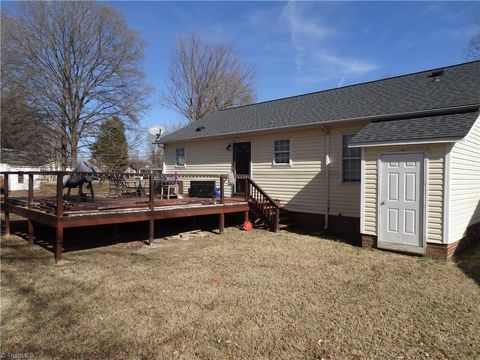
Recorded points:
(104,204)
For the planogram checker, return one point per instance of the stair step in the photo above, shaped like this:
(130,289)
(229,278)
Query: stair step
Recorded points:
(287,226)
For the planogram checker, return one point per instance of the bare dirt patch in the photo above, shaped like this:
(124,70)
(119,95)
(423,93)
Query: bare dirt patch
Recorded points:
(241,295)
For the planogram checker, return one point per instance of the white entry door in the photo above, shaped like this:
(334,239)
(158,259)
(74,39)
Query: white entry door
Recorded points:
(401,202)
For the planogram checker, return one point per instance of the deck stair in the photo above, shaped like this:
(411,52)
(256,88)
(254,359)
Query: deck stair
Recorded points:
(262,206)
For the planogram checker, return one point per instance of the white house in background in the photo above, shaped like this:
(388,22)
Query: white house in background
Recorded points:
(14,160)
(130,170)
(395,161)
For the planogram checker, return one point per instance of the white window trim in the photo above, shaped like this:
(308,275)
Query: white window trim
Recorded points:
(446,193)
(348,183)
(282,165)
(178,166)
(362,193)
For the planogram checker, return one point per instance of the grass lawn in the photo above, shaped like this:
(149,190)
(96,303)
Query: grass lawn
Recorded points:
(241,295)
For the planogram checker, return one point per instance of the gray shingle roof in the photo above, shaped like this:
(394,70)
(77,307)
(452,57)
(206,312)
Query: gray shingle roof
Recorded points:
(457,86)
(443,127)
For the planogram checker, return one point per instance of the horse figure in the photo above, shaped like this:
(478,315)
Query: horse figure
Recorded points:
(74,181)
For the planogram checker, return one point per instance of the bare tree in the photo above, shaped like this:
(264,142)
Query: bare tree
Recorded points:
(473,49)
(22,128)
(80,64)
(205,77)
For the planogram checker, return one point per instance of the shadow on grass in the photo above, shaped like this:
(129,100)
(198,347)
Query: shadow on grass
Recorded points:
(469,261)
(83,238)
(353,240)
(51,311)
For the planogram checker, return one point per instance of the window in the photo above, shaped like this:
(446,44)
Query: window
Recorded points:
(351,161)
(180,157)
(281,152)
(20,179)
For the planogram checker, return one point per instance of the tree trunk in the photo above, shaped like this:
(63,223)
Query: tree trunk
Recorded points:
(64,153)
(73,151)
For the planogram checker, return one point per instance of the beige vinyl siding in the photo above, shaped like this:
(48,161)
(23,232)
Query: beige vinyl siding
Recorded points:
(434,187)
(464,209)
(299,186)
(201,157)
(370,192)
(344,197)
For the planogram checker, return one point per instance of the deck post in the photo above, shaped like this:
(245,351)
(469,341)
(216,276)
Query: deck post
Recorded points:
(151,191)
(245,216)
(58,228)
(30,191)
(30,233)
(5,200)
(277,220)
(7,224)
(59,194)
(222,189)
(151,222)
(58,245)
(151,231)
(30,205)
(221,222)
(247,189)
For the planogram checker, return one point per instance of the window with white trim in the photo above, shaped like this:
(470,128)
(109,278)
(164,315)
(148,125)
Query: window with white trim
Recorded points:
(180,157)
(281,152)
(351,161)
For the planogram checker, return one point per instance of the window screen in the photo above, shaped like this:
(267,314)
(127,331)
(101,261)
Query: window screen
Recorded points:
(351,162)
(281,152)
(180,157)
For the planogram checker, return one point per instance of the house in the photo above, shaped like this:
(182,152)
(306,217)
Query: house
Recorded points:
(15,160)
(394,160)
(130,170)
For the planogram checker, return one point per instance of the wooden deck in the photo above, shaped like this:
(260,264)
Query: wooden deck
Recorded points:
(105,204)
(105,210)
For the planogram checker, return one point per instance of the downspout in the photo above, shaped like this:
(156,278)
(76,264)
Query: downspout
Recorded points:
(327,177)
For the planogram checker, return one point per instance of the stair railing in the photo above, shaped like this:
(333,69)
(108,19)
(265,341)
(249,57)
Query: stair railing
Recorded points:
(261,203)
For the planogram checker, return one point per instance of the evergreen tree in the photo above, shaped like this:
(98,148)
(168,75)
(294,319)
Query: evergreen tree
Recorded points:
(111,147)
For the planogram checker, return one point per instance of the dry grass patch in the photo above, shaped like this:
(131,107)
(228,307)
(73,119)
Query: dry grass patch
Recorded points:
(242,295)
(49,189)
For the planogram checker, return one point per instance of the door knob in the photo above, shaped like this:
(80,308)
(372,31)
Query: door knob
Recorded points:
(382,203)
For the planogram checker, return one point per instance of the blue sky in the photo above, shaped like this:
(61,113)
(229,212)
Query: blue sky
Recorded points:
(300,47)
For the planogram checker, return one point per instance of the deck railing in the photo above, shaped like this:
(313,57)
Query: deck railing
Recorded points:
(149,178)
(261,204)
(52,211)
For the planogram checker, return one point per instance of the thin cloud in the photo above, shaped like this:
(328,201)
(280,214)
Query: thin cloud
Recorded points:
(308,38)
(302,31)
